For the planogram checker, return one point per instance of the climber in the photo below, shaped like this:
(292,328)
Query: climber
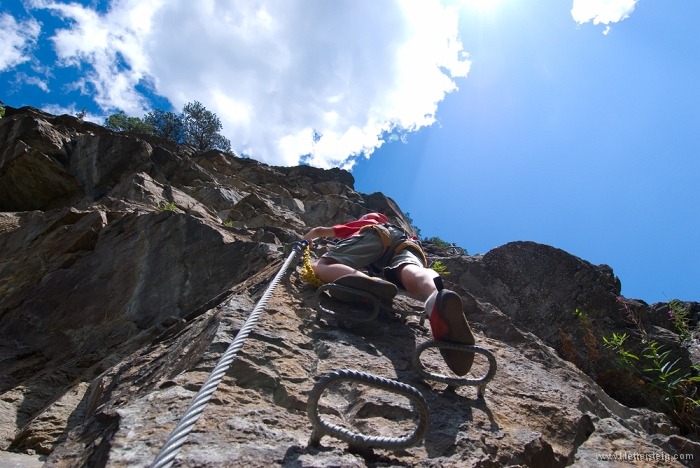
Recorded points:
(372,243)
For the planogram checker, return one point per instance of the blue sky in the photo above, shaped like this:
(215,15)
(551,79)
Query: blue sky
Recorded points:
(570,123)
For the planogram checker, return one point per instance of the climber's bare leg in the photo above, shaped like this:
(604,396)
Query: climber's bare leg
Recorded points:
(329,270)
(417,280)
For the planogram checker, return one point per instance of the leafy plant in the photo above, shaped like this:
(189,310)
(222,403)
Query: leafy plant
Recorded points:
(679,390)
(81,114)
(679,316)
(169,207)
(589,338)
(228,223)
(664,369)
(440,268)
(582,317)
(616,343)
(2,110)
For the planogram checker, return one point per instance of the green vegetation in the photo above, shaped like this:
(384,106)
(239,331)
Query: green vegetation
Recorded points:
(582,317)
(662,368)
(679,316)
(166,125)
(450,248)
(435,240)
(678,391)
(228,223)
(2,110)
(202,128)
(589,339)
(169,207)
(81,115)
(659,376)
(120,122)
(413,224)
(440,267)
(616,343)
(196,126)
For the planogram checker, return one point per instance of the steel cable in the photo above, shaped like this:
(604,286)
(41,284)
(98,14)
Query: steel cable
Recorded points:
(479,383)
(321,427)
(179,435)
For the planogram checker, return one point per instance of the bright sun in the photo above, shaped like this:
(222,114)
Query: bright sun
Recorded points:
(481,4)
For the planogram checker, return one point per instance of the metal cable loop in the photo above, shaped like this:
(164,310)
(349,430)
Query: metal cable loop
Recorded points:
(322,427)
(179,435)
(480,383)
(407,313)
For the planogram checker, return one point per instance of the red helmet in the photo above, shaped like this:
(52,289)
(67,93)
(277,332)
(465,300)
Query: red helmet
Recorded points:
(377,217)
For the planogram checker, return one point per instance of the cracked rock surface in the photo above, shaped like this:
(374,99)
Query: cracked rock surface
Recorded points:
(128,264)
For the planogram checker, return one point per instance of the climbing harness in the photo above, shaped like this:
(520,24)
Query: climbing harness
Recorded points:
(452,382)
(179,435)
(321,427)
(385,236)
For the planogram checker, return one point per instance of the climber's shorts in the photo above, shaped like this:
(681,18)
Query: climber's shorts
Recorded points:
(406,256)
(358,251)
(364,251)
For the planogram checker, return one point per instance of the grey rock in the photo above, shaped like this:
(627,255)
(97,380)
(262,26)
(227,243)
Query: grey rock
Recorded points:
(129,263)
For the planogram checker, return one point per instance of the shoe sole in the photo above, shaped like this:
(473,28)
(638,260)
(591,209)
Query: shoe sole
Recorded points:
(449,307)
(381,289)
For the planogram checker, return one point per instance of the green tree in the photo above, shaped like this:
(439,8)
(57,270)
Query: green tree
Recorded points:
(413,224)
(120,122)
(437,241)
(202,128)
(2,110)
(166,124)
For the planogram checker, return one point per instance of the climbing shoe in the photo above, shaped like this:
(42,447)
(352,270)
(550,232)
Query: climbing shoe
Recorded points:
(377,287)
(448,323)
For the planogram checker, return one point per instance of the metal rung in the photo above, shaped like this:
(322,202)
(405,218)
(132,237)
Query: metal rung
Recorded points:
(456,382)
(320,310)
(354,439)
(454,250)
(407,313)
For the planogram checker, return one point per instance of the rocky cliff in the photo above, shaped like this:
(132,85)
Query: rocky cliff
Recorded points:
(129,263)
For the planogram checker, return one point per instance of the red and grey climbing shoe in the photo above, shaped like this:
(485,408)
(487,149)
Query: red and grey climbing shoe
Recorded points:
(448,323)
(376,286)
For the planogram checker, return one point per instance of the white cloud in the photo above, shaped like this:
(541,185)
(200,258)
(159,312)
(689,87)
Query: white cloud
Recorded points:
(22,77)
(278,73)
(73,110)
(110,45)
(15,40)
(602,11)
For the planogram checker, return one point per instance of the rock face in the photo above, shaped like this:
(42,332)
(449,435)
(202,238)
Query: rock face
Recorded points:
(129,263)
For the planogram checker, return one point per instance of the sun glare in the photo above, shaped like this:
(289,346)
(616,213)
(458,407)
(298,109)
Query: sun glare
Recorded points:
(481,4)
